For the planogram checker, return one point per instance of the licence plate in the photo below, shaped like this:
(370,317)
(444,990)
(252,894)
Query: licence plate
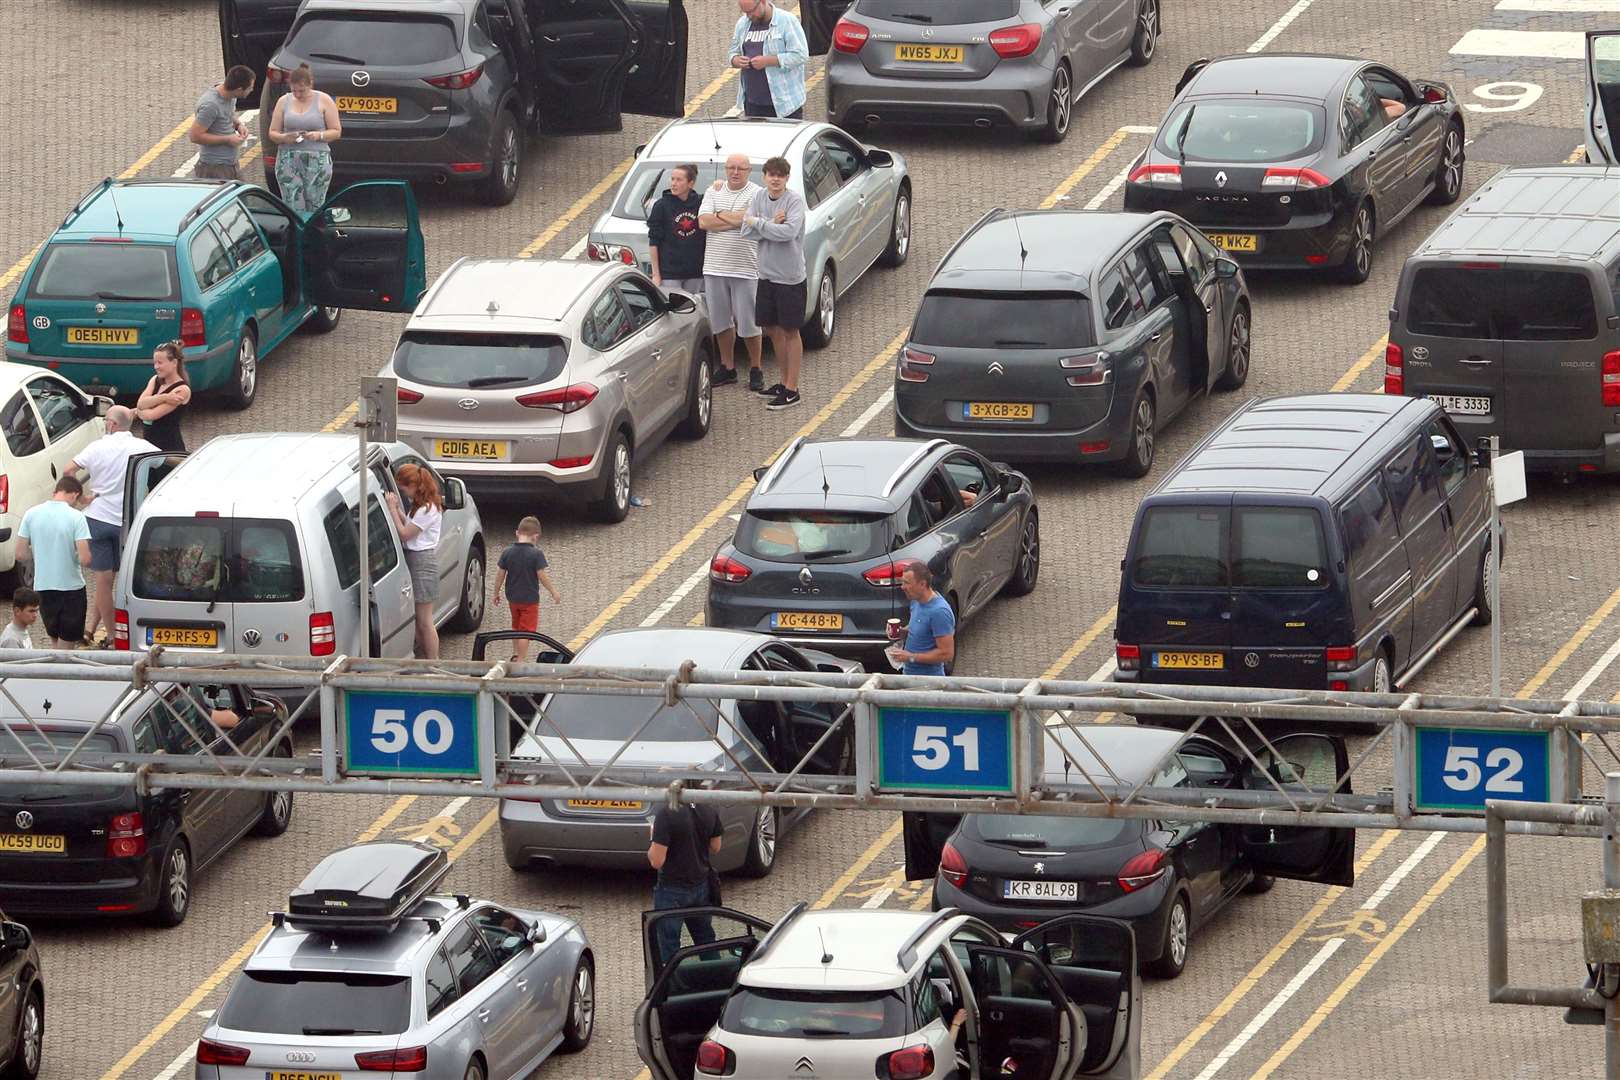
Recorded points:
(103,335)
(33,843)
(374,105)
(182,635)
(1212,661)
(1463,404)
(283,1074)
(471,449)
(807,620)
(929,54)
(1040,890)
(998,410)
(1234,241)
(605,804)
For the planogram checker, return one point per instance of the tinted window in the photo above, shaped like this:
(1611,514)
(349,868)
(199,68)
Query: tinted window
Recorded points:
(1448,454)
(440,985)
(1235,132)
(968,475)
(23,436)
(799,1014)
(1119,306)
(1139,267)
(1369,526)
(843,156)
(1446,302)
(479,361)
(1412,488)
(379,539)
(651,179)
(1057,832)
(812,535)
(61,409)
(105,272)
(1363,112)
(1545,305)
(504,934)
(939,12)
(343,538)
(210,263)
(1278,547)
(240,234)
(228,560)
(639,302)
(607,323)
(1181,546)
(1192,256)
(579,717)
(821,178)
(310,1002)
(1024,320)
(913,521)
(471,962)
(393,40)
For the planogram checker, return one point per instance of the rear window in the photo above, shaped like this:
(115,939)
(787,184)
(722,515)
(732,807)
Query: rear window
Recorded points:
(795,1014)
(1053,832)
(812,535)
(1022,320)
(938,12)
(18,740)
(1181,547)
(1238,132)
(374,41)
(651,179)
(318,1003)
(105,272)
(1278,548)
(577,716)
(479,361)
(1512,304)
(229,560)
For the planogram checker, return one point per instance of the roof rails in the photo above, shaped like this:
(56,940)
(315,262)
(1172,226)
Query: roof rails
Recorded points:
(778,465)
(213,196)
(905,466)
(85,199)
(908,952)
(774,934)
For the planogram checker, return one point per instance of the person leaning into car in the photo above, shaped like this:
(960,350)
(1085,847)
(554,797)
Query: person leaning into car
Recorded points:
(769,48)
(684,838)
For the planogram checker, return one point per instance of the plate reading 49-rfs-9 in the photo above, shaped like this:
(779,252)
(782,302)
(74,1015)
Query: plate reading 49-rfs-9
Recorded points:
(944,750)
(434,735)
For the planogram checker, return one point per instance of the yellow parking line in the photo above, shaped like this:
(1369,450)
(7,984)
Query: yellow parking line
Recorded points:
(1567,649)
(1081,644)
(1349,377)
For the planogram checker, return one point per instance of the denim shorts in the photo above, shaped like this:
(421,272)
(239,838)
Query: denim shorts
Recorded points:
(105,541)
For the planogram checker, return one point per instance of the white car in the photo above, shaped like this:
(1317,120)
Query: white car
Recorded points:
(46,421)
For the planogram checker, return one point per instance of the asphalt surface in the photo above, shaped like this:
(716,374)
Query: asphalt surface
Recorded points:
(1383,979)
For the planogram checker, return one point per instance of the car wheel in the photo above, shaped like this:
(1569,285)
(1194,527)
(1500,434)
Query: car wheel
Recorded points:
(244,384)
(475,1070)
(1488,566)
(1138,458)
(470,611)
(1028,570)
(323,320)
(505,163)
(614,504)
(1177,938)
(30,1048)
(1382,683)
(1059,107)
(1237,351)
(174,885)
(818,332)
(1357,265)
(761,855)
(699,396)
(1448,177)
(22,575)
(1259,883)
(899,231)
(278,806)
(581,1009)
(1146,38)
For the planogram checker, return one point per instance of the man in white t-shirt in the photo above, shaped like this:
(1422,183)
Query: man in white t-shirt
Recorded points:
(731,271)
(103,464)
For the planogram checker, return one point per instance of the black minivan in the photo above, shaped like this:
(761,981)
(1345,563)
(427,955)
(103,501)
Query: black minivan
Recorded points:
(1326,542)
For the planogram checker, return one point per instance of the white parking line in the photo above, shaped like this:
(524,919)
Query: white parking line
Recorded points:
(1108,189)
(1594,672)
(1583,6)
(247,116)
(677,596)
(1546,44)
(1420,853)
(1279,26)
(173,1068)
(884,400)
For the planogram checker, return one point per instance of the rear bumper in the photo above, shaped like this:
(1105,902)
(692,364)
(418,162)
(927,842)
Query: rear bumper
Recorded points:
(1147,911)
(520,478)
(128,887)
(465,141)
(529,834)
(1029,444)
(1013,94)
(1313,678)
(128,376)
(864,621)
(1313,241)
(1563,462)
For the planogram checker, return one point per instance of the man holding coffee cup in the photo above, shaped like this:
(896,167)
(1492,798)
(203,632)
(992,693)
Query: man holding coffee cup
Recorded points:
(931,632)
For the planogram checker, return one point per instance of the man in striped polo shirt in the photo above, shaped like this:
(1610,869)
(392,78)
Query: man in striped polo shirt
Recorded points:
(731,271)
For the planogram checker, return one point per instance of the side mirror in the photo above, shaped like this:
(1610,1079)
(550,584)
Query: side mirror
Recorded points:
(537,932)
(880,159)
(1226,268)
(455,493)
(681,304)
(103,405)
(759,473)
(14,937)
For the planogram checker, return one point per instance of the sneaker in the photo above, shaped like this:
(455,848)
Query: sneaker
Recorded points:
(723,377)
(756,380)
(784,400)
(771,391)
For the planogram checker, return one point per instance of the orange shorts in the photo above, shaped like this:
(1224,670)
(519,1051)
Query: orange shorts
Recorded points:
(525,616)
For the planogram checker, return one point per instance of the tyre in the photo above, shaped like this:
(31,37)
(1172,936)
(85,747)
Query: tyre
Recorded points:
(1382,681)
(1059,107)
(818,331)
(244,384)
(581,1009)
(30,1048)
(22,575)
(699,396)
(1448,176)
(1138,458)
(323,320)
(761,855)
(470,610)
(278,806)
(505,163)
(1488,566)
(899,231)
(475,1070)
(1260,883)
(1357,265)
(1238,343)
(1177,938)
(174,885)
(1028,570)
(614,503)
(1146,38)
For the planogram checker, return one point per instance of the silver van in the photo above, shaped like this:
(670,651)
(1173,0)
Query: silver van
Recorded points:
(227,552)
(1508,316)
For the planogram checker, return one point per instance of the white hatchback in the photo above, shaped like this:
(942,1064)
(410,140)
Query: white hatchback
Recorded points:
(46,421)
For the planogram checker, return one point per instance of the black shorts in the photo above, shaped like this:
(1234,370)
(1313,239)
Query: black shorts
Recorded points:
(63,611)
(779,305)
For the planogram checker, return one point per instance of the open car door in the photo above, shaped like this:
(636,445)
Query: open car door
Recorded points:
(142,473)
(1094,960)
(924,837)
(584,50)
(1304,765)
(656,85)
(363,249)
(1602,95)
(548,649)
(819,18)
(251,31)
(685,1003)
(1027,1026)
(724,922)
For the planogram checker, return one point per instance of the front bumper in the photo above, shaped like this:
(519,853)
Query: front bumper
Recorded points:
(1014,94)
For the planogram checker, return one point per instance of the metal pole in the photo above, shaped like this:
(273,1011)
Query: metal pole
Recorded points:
(365,538)
(1495,583)
(1611,880)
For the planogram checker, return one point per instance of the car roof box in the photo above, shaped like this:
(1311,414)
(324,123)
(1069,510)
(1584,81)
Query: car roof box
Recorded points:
(366,887)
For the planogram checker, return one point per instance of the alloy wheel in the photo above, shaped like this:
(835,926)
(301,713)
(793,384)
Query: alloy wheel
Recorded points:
(902,227)
(1143,435)
(1062,100)
(1363,241)
(621,475)
(33,1036)
(472,588)
(1451,163)
(281,807)
(584,1002)
(765,835)
(1178,932)
(826,304)
(247,364)
(178,881)
(509,158)
(705,393)
(1238,351)
(1147,26)
(1381,680)
(1029,557)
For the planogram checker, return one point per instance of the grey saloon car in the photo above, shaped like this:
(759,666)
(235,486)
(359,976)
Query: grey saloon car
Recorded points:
(523,376)
(988,63)
(574,731)
(1071,336)
(858,198)
(821,545)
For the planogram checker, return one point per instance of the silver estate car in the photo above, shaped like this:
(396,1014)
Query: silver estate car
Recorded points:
(858,197)
(526,375)
(576,730)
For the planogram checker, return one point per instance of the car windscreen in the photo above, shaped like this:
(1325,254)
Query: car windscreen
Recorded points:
(801,1014)
(813,535)
(651,179)
(392,40)
(212,559)
(1003,320)
(583,716)
(1491,302)
(105,272)
(1057,832)
(479,361)
(318,1003)
(1242,132)
(938,12)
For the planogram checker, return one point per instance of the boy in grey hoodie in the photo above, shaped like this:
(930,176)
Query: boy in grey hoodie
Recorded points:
(776,219)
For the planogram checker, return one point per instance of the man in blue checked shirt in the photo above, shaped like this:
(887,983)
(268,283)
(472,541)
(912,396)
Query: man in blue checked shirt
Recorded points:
(769,49)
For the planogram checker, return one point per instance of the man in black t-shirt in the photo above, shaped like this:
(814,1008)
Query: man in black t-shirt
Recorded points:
(683,838)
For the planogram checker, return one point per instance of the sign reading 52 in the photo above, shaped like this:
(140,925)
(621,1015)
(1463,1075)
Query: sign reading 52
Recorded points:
(1460,768)
(411,734)
(944,750)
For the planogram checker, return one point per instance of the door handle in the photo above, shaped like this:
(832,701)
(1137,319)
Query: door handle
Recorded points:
(1209,309)
(1474,360)
(483,1014)
(522,984)
(624,375)
(404,590)
(1156,335)
(549,40)
(658,354)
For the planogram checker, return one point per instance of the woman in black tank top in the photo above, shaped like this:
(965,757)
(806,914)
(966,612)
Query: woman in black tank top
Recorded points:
(166,394)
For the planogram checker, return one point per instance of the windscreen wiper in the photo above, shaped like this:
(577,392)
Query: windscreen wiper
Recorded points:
(495,380)
(1181,137)
(913,16)
(335,57)
(340,1031)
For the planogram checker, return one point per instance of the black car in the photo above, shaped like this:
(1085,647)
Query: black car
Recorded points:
(22,1003)
(1289,162)
(825,536)
(1164,877)
(68,851)
(1071,336)
(446,90)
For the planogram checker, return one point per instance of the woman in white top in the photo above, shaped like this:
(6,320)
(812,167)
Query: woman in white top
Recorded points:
(420,531)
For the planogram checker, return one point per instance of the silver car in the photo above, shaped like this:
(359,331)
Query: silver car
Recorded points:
(576,730)
(858,197)
(525,375)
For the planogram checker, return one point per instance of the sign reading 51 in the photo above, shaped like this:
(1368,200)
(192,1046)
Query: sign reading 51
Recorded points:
(944,750)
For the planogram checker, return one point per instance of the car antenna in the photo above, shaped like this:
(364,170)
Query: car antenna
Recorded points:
(715,135)
(112,193)
(826,488)
(826,957)
(1023,252)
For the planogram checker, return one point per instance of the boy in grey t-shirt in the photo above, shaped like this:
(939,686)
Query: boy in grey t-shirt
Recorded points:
(776,219)
(215,128)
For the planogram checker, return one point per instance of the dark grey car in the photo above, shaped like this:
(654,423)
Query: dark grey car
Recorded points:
(819,550)
(1071,335)
(22,1003)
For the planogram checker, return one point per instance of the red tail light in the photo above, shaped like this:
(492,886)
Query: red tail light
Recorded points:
(17,324)
(192,329)
(911,363)
(1611,379)
(952,867)
(1161,175)
(120,630)
(5,493)
(1092,369)
(214,1053)
(459,81)
(1394,373)
(849,36)
(273,74)
(1011,42)
(1294,179)
(1339,654)
(567,400)
(322,634)
(571,462)
(912,1063)
(405,1059)
(713,1059)
(126,838)
(725,568)
(887,575)
(1127,657)
(407,397)
(1143,870)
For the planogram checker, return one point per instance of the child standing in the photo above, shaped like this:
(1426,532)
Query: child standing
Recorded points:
(522,572)
(24,613)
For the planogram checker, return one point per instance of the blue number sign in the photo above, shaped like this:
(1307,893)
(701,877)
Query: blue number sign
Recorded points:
(944,751)
(1459,768)
(433,735)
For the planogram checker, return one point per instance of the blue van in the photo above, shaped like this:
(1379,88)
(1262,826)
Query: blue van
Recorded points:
(1324,542)
(224,266)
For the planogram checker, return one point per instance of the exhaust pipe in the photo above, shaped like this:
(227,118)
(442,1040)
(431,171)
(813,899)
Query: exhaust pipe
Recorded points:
(872,118)
(981,122)
(440,179)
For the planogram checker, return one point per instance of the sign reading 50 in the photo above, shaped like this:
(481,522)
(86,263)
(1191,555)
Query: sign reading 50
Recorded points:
(400,734)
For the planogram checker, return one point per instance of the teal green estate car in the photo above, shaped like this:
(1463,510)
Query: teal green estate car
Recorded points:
(224,266)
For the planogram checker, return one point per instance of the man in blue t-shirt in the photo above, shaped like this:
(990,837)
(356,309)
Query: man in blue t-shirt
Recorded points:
(931,632)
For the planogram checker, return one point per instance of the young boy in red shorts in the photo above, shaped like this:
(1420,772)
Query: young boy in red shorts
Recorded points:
(522,572)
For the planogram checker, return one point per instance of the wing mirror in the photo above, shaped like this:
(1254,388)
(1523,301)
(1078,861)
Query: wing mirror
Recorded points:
(681,304)
(455,493)
(537,932)
(759,473)
(14,937)
(880,159)
(103,405)
(1226,268)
